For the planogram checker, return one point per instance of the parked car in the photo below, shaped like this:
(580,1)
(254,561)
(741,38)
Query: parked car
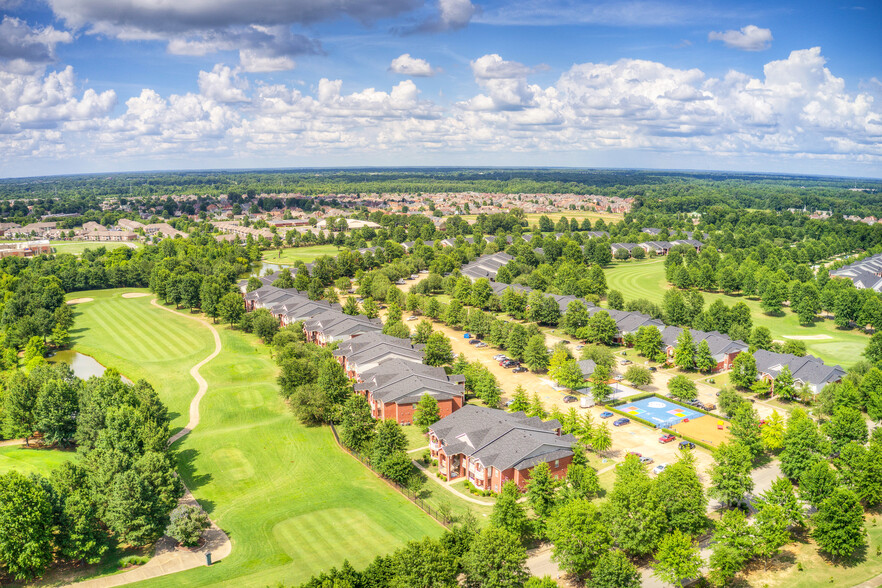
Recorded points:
(400,282)
(565,342)
(626,362)
(424,271)
(659,468)
(499,357)
(413,318)
(710,406)
(606,414)
(653,369)
(666,438)
(481,345)
(620,422)
(510,363)
(687,445)
(619,378)
(646,460)
(635,454)
(519,370)
(569,399)
(474,341)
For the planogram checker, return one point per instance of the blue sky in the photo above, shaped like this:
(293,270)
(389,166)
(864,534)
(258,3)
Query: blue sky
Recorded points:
(113,85)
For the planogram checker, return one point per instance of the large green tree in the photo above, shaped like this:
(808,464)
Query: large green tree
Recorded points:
(495,558)
(26,526)
(579,535)
(839,524)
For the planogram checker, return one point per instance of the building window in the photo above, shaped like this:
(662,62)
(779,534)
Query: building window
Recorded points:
(557,463)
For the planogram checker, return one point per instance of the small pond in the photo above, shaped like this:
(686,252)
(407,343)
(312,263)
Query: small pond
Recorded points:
(83,366)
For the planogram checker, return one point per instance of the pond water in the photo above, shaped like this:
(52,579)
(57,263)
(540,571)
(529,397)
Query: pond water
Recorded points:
(83,366)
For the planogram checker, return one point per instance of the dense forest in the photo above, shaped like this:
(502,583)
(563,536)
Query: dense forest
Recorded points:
(668,190)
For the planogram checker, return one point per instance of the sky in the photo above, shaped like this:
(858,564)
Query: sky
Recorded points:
(127,85)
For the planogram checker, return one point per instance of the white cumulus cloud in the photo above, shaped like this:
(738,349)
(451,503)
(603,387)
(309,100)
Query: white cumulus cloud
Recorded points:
(749,38)
(411,66)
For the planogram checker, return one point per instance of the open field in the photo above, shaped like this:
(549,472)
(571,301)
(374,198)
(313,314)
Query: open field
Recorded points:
(32,461)
(292,502)
(646,279)
(142,341)
(292,255)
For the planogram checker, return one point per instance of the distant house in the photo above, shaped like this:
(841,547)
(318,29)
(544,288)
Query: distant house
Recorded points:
(25,249)
(808,370)
(490,447)
(723,349)
(587,367)
(486,266)
(865,273)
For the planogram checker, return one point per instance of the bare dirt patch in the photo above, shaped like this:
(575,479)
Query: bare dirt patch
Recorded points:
(79,300)
(135,294)
(705,428)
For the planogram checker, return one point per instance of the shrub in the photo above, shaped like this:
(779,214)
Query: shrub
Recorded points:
(187,524)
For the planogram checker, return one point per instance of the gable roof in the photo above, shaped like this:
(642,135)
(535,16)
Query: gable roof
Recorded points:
(502,440)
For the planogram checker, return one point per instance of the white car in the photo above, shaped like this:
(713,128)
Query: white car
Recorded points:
(499,357)
(413,318)
(659,468)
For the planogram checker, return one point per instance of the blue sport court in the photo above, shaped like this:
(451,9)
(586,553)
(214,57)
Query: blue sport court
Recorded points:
(662,413)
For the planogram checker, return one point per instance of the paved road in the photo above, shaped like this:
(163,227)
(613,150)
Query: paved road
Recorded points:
(168,558)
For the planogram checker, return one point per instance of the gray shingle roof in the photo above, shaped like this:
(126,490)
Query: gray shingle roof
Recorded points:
(502,440)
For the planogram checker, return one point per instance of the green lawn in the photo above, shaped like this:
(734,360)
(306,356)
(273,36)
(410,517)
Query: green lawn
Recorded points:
(142,341)
(77,247)
(646,279)
(292,255)
(291,500)
(32,461)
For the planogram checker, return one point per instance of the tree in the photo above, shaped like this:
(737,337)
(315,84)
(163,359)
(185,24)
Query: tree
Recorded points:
(265,325)
(648,342)
(636,518)
(496,558)
(535,354)
(871,389)
(519,401)
(847,424)
(20,407)
(615,300)
(230,308)
(684,352)
(638,375)
(704,361)
(438,350)
(81,536)
(615,570)
(569,375)
(541,489)
(770,531)
(370,308)
(601,328)
(784,387)
(772,433)
(781,494)
(839,524)
(357,424)
(427,412)
(388,440)
(57,407)
(579,535)
(350,306)
(732,546)
(679,491)
(773,296)
(26,526)
(873,351)
(761,338)
(425,564)
(817,483)
(187,524)
(536,409)
(509,514)
(581,482)
(744,371)
(803,445)
(677,559)
(730,474)
(601,439)
(600,390)
(422,332)
(516,342)
(746,429)
(682,388)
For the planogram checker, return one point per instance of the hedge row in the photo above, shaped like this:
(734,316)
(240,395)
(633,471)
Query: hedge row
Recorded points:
(690,407)
(633,398)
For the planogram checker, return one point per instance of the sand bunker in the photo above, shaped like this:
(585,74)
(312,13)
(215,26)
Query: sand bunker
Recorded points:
(80,300)
(135,294)
(807,337)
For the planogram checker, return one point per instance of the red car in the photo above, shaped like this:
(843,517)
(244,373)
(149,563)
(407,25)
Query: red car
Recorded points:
(666,438)
(634,453)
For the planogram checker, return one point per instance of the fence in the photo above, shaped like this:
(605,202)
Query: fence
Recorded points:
(445,518)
